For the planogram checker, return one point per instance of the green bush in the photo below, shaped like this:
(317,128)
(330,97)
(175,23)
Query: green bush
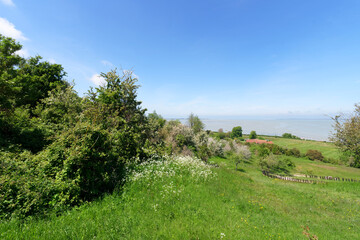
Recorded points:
(289,135)
(236,132)
(293,152)
(314,155)
(273,164)
(253,135)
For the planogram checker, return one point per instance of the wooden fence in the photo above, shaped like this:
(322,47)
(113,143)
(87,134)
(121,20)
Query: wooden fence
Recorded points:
(270,175)
(333,178)
(286,178)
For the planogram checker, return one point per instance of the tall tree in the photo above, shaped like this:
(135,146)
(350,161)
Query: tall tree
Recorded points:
(253,135)
(236,132)
(195,123)
(347,135)
(9,61)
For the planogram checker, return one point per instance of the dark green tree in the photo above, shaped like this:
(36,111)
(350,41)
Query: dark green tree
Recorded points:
(36,78)
(236,132)
(9,62)
(253,135)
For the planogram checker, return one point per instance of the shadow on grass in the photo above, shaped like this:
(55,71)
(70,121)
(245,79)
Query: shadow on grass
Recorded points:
(240,170)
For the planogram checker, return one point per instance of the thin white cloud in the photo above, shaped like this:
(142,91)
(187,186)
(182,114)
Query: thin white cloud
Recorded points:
(52,61)
(8,29)
(107,63)
(97,79)
(23,53)
(8,3)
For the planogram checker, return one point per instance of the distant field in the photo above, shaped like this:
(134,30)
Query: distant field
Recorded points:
(308,167)
(328,149)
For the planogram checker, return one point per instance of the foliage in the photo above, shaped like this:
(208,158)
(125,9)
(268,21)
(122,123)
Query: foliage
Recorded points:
(289,135)
(236,132)
(347,135)
(273,164)
(314,155)
(195,123)
(221,134)
(253,135)
(238,153)
(58,150)
(293,152)
(23,84)
(241,205)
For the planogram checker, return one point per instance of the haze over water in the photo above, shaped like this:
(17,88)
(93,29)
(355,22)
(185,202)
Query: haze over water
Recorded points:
(314,129)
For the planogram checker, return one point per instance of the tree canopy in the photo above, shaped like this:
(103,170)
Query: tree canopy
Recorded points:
(195,123)
(236,132)
(253,135)
(346,135)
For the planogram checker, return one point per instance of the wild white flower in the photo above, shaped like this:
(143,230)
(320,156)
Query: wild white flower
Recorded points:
(169,167)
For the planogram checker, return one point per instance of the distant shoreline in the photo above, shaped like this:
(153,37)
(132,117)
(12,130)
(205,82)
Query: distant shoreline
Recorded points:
(308,129)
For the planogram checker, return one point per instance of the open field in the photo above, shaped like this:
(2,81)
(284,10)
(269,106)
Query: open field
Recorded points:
(328,149)
(305,166)
(240,204)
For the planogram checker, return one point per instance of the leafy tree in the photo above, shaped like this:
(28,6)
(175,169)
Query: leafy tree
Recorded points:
(253,135)
(9,62)
(195,123)
(347,135)
(23,84)
(36,79)
(236,132)
(115,106)
(221,133)
(158,119)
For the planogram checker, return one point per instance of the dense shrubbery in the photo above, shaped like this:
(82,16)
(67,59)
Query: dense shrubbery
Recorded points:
(252,135)
(236,132)
(289,135)
(57,149)
(273,164)
(314,155)
(263,150)
(184,140)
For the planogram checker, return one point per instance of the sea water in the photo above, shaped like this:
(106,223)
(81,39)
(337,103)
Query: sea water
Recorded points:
(314,129)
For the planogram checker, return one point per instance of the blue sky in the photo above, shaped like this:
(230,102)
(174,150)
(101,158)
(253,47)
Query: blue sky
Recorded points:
(213,58)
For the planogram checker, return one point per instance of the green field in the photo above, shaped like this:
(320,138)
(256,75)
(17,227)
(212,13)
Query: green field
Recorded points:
(234,204)
(328,149)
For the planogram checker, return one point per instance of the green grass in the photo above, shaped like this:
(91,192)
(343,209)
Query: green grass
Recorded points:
(241,204)
(328,149)
(305,166)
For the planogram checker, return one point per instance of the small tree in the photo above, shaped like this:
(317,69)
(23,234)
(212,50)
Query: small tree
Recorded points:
(236,132)
(347,135)
(195,123)
(253,135)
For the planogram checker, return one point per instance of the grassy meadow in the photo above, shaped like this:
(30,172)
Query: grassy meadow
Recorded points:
(176,202)
(328,149)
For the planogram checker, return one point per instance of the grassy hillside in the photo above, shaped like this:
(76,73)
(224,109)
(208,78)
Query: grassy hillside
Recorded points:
(328,149)
(231,204)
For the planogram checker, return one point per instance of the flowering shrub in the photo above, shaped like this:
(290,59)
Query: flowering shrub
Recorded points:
(216,147)
(170,166)
(183,140)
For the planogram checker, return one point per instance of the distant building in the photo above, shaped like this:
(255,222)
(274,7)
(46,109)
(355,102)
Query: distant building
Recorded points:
(258,141)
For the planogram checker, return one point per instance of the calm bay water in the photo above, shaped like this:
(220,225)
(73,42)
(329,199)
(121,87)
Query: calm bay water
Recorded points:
(315,129)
